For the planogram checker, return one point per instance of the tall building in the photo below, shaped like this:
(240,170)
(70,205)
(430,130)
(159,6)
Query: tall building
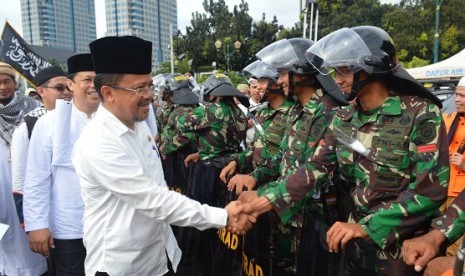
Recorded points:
(147,19)
(65,24)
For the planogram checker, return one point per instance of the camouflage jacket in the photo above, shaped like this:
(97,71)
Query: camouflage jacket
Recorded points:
(171,138)
(163,115)
(452,223)
(306,124)
(401,179)
(220,128)
(273,122)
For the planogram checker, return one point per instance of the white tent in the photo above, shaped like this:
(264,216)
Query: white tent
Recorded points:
(448,68)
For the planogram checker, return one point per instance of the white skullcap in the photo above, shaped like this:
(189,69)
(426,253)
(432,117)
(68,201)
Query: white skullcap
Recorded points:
(461,82)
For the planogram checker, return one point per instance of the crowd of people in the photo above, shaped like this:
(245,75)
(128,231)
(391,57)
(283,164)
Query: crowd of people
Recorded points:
(331,160)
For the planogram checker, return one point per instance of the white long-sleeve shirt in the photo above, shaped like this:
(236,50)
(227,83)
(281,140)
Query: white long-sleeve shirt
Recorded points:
(128,207)
(19,149)
(15,256)
(52,194)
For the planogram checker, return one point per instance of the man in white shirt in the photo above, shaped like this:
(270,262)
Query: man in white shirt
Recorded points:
(53,206)
(255,91)
(51,85)
(15,256)
(128,207)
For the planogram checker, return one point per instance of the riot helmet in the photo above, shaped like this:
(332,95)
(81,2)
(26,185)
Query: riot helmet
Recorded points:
(177,86)
(289,55)
(219,85)
(262,73)
(360,48)
(366,48)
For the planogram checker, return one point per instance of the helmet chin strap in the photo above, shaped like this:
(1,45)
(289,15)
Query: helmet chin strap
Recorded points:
(269,91)
(293,84)
(358,84)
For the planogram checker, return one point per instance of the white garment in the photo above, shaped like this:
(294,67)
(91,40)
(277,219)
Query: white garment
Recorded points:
(52,194)
(19,148)
(250,132)
(15,256)
(128,205)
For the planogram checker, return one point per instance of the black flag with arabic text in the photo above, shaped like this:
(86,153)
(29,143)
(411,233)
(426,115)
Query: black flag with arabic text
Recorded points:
(16,52)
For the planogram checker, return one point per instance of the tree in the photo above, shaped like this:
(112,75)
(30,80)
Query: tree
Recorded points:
(410,23)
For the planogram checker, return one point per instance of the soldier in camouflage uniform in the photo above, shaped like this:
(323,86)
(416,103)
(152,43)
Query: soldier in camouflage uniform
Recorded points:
(166,109)
(390,144)
(271,122)
(174,151)
(184,104)
(220,127)
(272,119)
(308,118)
(446,229)
(451,226)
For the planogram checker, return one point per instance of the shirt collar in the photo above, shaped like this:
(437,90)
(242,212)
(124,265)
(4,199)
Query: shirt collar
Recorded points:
(116,125)
(392,105)
(81,114)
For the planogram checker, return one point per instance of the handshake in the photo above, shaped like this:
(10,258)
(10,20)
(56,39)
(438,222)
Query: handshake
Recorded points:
(243,213)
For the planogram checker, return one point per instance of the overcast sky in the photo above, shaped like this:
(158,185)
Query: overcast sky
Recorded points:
(287,12)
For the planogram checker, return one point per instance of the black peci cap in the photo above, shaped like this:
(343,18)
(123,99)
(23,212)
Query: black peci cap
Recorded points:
(80,63)
(48,73)
(122,55)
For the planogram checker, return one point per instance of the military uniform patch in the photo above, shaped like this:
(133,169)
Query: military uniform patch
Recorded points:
(387,120)
(405,120)
(426,133)
(316,131)
(427,148)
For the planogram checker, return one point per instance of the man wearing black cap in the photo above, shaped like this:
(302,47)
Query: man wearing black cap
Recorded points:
(51,85)
(128,207)
(53,206)
(16,258)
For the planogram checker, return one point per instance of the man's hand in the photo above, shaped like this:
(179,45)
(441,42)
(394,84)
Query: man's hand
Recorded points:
(259,205)
(241,217)
(341,233)
(439,265)
(419,251)
(194,157)
(458,160)
(227,171)
(239,181)
(40,241)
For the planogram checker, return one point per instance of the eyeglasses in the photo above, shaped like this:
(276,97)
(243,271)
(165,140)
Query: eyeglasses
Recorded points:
(59,88)
(142,91)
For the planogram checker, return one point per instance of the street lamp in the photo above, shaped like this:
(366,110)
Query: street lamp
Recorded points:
(436,34)
(237,45)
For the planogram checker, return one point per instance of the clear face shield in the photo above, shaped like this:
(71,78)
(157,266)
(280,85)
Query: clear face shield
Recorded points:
(343,51)
(279,55)
(258,70)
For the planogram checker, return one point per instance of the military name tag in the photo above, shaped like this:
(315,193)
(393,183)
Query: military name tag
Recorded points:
(387,142)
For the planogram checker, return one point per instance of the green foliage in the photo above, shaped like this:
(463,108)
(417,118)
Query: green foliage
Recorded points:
(411,24)
(416,62)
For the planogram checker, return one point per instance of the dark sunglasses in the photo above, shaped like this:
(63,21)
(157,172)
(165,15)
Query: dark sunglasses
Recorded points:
(59,88)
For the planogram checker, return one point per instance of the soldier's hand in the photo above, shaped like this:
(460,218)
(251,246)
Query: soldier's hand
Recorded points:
(241,217)
(458,160)
(419,251)
(439,265)
(161,148)
(341,233)
(40,241)
(241,181)
(227,171)
(194,157)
